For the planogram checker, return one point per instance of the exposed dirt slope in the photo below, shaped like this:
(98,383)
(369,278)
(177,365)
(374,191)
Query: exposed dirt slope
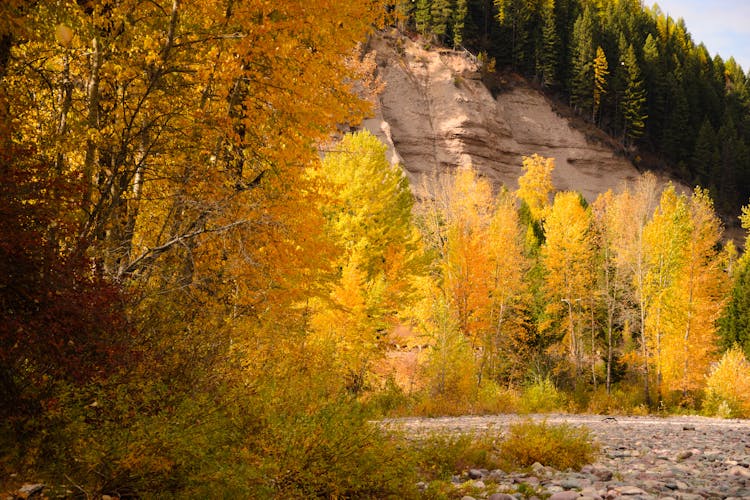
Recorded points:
(438,115)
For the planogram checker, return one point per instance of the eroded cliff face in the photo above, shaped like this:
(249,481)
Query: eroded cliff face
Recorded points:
(437,115)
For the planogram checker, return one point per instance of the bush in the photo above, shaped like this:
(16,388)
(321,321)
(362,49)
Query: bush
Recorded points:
(390,401)
(728,386)
(333,453)
(624,399)
(440,456)
(141,440)
(560,446)
(542,396)
(493,399)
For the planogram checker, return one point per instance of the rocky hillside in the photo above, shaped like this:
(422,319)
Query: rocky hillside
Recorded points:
(435,113)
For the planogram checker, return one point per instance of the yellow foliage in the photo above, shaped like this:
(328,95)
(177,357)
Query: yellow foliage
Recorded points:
(482,266)
(567,256)
(728,385)
(535,185)
(696,300)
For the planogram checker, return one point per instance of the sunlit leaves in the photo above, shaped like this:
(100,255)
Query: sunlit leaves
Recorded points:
(535,185)
(567,256)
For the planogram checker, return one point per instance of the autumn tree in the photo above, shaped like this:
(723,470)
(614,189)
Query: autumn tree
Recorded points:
(480,264)
(535,185)
(691,333)
(612,281)
(185,130)
(567,255)
(505,344)
(634,208)
(368,215)
(601,70)
(466,268)
(666,235)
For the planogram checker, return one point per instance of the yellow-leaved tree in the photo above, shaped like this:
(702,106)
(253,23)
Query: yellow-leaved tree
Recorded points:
(535,185)
(630,212)
(697,299)
(505,346)
(728,386)
(466,267)
(367,208)
(479,265)
(666,236)
(567,256)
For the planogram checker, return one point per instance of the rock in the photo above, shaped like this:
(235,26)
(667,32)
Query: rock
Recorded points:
(467,497)
(537,467)
(501,496)
(479,484)
(682,485)
(590,493)
(739,471)
(29,490)
(496,475)
(571,484)
(565,495)
(630,491)
(603,474)
(421,486)
(476,473)
(685,454)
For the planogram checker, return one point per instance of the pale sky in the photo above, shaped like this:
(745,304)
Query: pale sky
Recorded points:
(722,25)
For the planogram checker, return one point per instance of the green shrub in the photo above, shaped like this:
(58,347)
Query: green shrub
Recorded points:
(333,453)
(439,456)
(560,446)
(390,401)
(623,399)
(542,396)
(141,440)
(493,399)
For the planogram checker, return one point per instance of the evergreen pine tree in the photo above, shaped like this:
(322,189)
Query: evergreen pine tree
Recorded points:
(634,100)
(675,138)
(422,16)
(550,47)
(582,68)
(459,22)
(656,84)
(441,13)
(705,154)
(734,325)
(726,174)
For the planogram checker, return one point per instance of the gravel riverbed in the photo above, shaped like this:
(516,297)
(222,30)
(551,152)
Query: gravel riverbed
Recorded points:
(641,457)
